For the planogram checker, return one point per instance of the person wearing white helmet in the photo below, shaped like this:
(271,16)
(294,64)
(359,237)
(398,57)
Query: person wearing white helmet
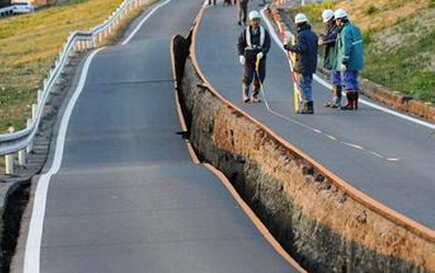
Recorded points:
(328,41)
(306,61)
(253,46)
(348,57)
(243,11)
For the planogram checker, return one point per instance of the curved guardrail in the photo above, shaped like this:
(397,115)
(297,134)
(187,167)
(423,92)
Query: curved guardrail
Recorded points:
(21,141)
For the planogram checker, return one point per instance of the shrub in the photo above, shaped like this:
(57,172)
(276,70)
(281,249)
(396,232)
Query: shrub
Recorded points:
(371,10)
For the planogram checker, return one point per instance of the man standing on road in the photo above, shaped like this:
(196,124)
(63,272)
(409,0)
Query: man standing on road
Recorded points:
(328,40)
(306,47)
(253,46)
(242,6)
(349,57)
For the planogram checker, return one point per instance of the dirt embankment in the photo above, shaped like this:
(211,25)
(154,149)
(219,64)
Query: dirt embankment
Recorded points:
(317,222)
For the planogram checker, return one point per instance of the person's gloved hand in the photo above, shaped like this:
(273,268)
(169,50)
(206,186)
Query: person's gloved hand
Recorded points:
(343,68)
(286,47)
(320,41)
(260,56)
(242,60)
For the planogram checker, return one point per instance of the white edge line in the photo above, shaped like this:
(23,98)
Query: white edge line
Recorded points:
(34,238)
(156,8)
(329,86)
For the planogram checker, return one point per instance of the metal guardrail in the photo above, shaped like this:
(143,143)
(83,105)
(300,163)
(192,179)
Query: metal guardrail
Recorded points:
(22,141)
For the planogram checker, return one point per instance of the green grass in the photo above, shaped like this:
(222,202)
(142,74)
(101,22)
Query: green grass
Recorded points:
(402,68)
(29,45)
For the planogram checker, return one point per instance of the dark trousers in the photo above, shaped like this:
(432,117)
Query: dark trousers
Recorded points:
(250,74)
(243,11)
(210,2)
(348,79)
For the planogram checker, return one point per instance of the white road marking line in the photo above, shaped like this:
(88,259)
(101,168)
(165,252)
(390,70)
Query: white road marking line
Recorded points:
(353,145)
(393,159)
(34,238)
(331,137)
(156,8)
(329,86)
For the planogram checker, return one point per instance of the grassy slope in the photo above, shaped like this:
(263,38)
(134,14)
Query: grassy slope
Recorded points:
(399,41)
(29,45)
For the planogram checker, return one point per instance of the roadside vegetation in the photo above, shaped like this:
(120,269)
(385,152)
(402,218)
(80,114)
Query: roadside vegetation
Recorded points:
(29,45)
(399,41)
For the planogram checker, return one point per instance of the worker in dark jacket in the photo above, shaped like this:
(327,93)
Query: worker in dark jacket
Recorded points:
(328,40)
(349,57)
(253,46)
(306,47)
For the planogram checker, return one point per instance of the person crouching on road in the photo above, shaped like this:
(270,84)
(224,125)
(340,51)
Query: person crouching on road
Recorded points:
(328,40)
(349,57)
(253,46)
(306,47)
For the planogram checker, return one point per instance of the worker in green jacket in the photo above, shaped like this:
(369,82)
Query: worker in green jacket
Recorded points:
(348,57)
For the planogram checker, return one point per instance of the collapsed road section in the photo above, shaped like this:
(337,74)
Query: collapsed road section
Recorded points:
(322,221)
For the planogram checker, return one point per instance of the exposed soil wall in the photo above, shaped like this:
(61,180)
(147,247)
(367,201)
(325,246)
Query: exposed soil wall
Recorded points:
(320,225)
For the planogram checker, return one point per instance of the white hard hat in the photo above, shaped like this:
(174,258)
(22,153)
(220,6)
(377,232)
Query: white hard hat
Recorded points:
(300,18)
(327,15)
(340,13)
(254,15)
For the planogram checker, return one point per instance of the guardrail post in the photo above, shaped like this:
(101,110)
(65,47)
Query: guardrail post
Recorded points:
(29,148)
(34,111)
(22,158)
(9,159)
(39,96)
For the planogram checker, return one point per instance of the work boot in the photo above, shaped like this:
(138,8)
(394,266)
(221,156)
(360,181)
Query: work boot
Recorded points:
(255,99)
(245,93)
(255,93)
(336,98)
(308,108)
(350,101)
(356,100)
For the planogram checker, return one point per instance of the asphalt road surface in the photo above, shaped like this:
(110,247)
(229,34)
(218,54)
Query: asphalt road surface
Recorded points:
(127,197)
(389,158)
